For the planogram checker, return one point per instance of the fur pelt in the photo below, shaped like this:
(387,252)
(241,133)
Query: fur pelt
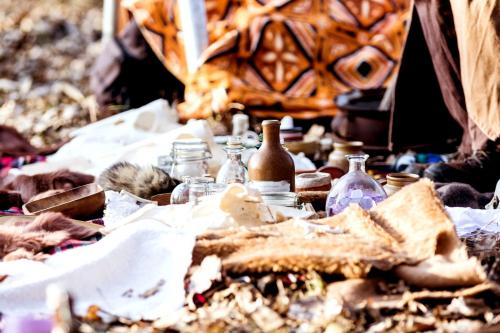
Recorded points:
(463,195)
(13,143)
(25,238)
(143,182)
(29,186)
(10,199)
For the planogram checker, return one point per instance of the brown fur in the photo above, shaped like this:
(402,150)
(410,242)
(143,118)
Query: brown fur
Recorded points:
(10,199)
(30,186)
(46,230)
(13,143)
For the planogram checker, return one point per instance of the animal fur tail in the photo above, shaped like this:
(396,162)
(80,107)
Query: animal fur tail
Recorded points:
(143,182)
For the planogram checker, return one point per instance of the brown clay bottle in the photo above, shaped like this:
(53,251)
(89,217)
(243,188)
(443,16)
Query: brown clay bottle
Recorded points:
(271,168)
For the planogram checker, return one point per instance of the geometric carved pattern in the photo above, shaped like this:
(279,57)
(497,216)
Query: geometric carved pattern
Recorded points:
(282,56)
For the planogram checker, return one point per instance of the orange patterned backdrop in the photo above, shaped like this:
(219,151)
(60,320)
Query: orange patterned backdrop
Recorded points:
(277,57)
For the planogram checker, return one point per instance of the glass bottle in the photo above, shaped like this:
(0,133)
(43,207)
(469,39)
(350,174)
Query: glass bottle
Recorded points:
(354,187)
(233,170)
(271,168)
(180,194)
(189,158)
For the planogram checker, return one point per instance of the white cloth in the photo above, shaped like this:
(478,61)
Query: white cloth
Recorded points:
(138,136)
(112,273)
(467,220)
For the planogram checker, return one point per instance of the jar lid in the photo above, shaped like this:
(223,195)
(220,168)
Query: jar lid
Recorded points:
(191,149)
(402,178)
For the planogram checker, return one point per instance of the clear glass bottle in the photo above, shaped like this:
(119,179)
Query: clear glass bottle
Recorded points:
(180,194)
(189,158)
(354,187)
(233,170)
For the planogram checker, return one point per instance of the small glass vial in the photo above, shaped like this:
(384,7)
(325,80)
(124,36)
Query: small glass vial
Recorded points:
(189,158)
(354,187)
(233,170)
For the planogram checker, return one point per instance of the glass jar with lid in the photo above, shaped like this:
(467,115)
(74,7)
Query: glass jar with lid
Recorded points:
(189,158)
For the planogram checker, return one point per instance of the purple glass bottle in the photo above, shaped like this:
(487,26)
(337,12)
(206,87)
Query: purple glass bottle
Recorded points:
(354,187)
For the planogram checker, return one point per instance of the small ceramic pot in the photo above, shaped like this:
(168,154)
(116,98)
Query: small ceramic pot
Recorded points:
(396,181)
(340,150)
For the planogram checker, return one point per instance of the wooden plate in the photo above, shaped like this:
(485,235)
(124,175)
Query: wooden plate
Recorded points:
(84,202)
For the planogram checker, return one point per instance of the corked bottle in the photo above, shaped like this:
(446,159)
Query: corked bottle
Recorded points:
(271,168)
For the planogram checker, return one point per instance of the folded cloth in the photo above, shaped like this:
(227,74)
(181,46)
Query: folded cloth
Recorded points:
(467,220)
(135,272)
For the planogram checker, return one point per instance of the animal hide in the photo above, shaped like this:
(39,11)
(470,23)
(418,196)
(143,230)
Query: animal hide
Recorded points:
(463,195)
(409,234)
(21,238)
(13,143)
(10,199)
(29,186)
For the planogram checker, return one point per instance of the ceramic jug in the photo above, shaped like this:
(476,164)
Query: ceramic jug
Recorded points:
(271,168)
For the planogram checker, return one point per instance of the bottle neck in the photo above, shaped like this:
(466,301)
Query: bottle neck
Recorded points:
(271,135)
(357,163)
(234,156)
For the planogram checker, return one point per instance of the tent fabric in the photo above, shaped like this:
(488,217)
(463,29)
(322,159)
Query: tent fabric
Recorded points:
(279,57)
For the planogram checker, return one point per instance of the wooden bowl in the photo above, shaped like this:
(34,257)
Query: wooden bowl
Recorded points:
(84,202)
(162,199)
(307,147)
